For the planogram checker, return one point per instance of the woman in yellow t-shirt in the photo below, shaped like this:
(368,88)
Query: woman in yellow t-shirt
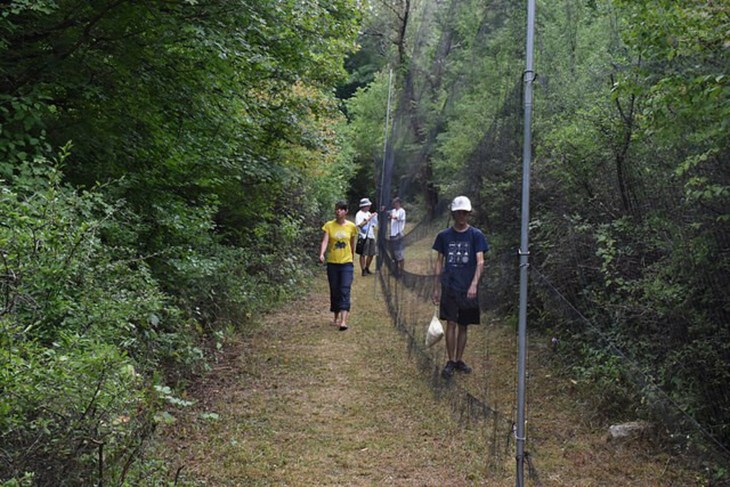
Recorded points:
(338,241)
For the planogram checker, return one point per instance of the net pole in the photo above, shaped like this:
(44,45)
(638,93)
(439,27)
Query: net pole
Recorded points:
(385,132)
(382,220)
(528,78)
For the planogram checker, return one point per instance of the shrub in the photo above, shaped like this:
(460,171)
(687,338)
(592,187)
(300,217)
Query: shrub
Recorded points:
(81,332)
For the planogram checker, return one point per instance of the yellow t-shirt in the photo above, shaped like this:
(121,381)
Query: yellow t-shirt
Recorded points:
(339,250)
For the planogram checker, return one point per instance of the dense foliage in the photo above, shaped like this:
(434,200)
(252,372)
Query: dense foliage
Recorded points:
(164,165)
(161,163)
(631,186)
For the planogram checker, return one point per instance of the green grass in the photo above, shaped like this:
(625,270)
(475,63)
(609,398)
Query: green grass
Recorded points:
(301,403)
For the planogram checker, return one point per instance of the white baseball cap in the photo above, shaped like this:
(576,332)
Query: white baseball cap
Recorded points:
(461,203)
(365,202)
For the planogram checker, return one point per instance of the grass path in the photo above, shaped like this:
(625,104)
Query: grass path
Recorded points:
(301,403)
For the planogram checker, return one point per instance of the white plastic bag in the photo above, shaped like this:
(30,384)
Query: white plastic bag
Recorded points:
(435,330)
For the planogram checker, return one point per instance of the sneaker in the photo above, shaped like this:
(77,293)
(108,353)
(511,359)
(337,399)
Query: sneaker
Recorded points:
(462,367)
(448,371)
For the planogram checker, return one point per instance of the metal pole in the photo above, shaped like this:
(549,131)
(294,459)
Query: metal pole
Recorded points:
(381,202)
(385,133)
(528,78)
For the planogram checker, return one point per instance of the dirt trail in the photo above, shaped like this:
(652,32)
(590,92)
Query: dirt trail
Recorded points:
(300,403)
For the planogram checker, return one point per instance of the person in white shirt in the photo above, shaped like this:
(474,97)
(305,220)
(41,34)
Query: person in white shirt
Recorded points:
(397,228)
(366,223)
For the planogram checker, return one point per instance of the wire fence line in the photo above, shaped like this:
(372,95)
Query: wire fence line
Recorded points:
(606,277)
(408,298)
(685,433)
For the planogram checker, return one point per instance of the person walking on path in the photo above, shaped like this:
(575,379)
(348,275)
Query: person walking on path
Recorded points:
(338,241)
(397,229)
(366,223)
(459,267)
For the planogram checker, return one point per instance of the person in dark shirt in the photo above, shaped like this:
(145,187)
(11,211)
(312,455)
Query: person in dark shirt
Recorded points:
(459,268)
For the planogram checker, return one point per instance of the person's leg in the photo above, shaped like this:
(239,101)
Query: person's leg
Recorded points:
(452,337)
(368,251)
(344,315)
(461,335)
(451,347)
(346,276)
(460,346)
(448,311)
(398,255)
(362,263)
(468,314)
(333,278)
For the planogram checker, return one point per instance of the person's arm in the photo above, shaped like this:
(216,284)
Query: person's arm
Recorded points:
(367,219)
(323,246)
(438,268)
(472,293)
(353,239)
(363,220)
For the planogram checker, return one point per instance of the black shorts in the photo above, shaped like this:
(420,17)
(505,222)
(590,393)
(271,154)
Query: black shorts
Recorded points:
(456,307)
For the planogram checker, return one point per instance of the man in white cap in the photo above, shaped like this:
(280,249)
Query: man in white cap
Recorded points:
(459,267)
(366,223)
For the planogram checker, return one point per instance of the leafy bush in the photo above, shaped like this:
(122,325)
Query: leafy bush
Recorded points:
(214,147)
(81,333)
(607,383)
(64,405)
(86,329)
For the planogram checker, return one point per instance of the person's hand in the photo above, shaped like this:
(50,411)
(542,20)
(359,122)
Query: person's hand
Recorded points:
(321,258)
(472,292)
(436,296)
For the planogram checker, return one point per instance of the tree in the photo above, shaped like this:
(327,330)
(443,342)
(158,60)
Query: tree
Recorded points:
(199,148)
